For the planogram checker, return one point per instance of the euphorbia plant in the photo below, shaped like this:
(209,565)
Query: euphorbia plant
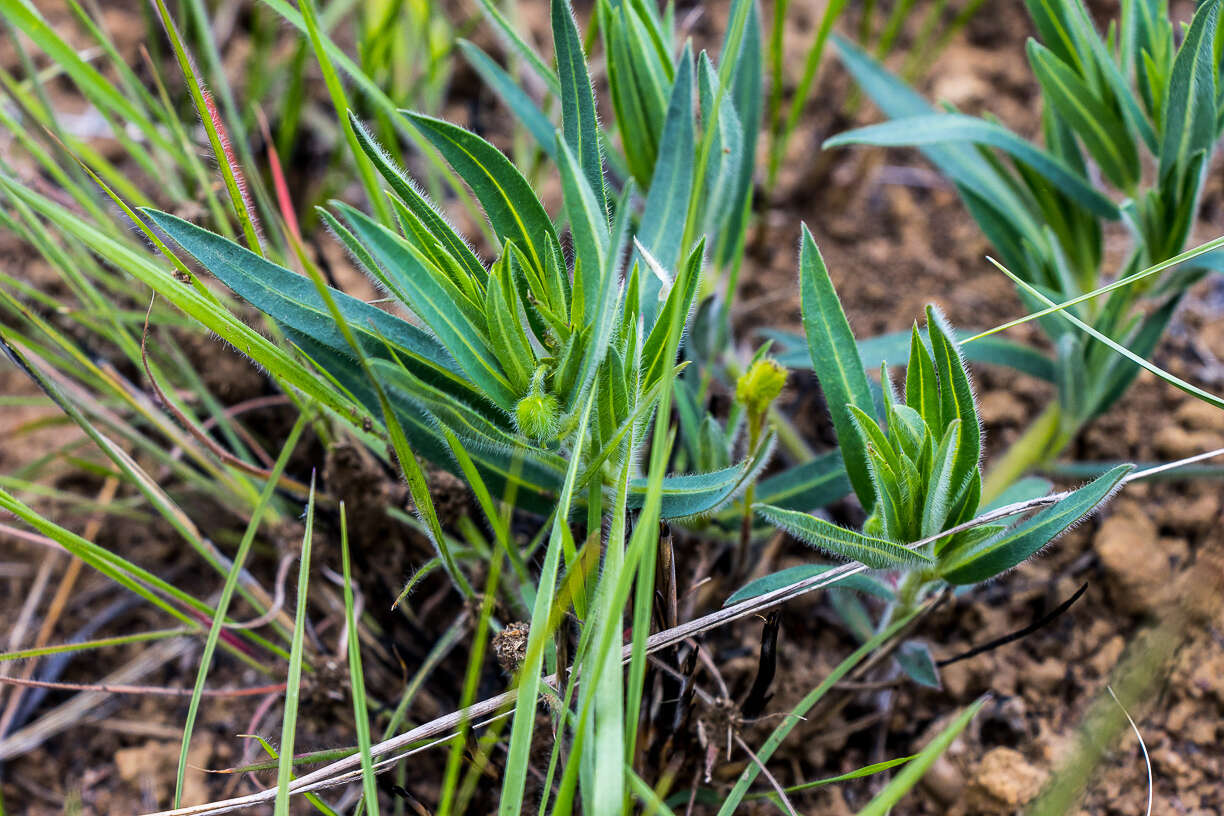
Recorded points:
(1106,103)
(913,459)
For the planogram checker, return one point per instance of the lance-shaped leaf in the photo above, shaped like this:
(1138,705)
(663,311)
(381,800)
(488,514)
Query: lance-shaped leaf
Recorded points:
(696,494)
(921,384)
(506,336)
(894,349)
(722,179)
(638,80)
(980,182)
(837,363)
(952,128)
(940,489)
(877,553)
(741,69)
(508,199)
(291,300)
(956,398)
(671,185)
(578,117)
(589,227)
(1104,134)
(986,559)
(416,201)
(1190,113)
(434,305)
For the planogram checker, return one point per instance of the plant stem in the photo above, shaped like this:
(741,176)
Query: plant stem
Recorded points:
(1040,442)
(908,593)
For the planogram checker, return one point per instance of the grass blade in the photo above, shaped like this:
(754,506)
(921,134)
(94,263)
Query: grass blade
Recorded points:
(227,594)
(357,676)
(293,682)
(882,804)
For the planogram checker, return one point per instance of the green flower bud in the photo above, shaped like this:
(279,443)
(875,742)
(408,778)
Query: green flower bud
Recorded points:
(760,385)
(537,415)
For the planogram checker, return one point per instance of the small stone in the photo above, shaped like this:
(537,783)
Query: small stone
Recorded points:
(1202,731)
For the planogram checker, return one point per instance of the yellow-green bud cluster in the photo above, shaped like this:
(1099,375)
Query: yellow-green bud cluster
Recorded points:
(760,385)
(538,414)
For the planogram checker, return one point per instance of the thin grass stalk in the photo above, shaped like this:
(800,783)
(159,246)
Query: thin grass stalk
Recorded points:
(361,716)
(471,680)
(341,106)
(293,681)
(209,117)
(515,778)
(227,594)
(780,138)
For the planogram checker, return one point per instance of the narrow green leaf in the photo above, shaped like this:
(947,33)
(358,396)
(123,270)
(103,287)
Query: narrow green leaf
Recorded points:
(663,220)
(508,199)
(986,559)
(1190,116)
(837,363)
(953,128)
(589,227)
(876,553)
(227,594)
(940,489)
(293,682)
(433,302)
(506,336)
(416,201)
(956,397)
(578,116)
(369,785)
(882,804)
(921,385)
(1104,135)
(1061,310)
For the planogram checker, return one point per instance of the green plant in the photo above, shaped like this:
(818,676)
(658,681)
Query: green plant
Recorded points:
(1106,102)
(913,460)
(546,379)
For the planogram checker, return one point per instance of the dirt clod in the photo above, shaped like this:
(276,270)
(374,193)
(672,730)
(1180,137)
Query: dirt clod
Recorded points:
(1003,781)
(1128,545)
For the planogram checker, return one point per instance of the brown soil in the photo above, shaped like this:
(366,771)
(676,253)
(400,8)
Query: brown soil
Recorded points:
(895,237)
